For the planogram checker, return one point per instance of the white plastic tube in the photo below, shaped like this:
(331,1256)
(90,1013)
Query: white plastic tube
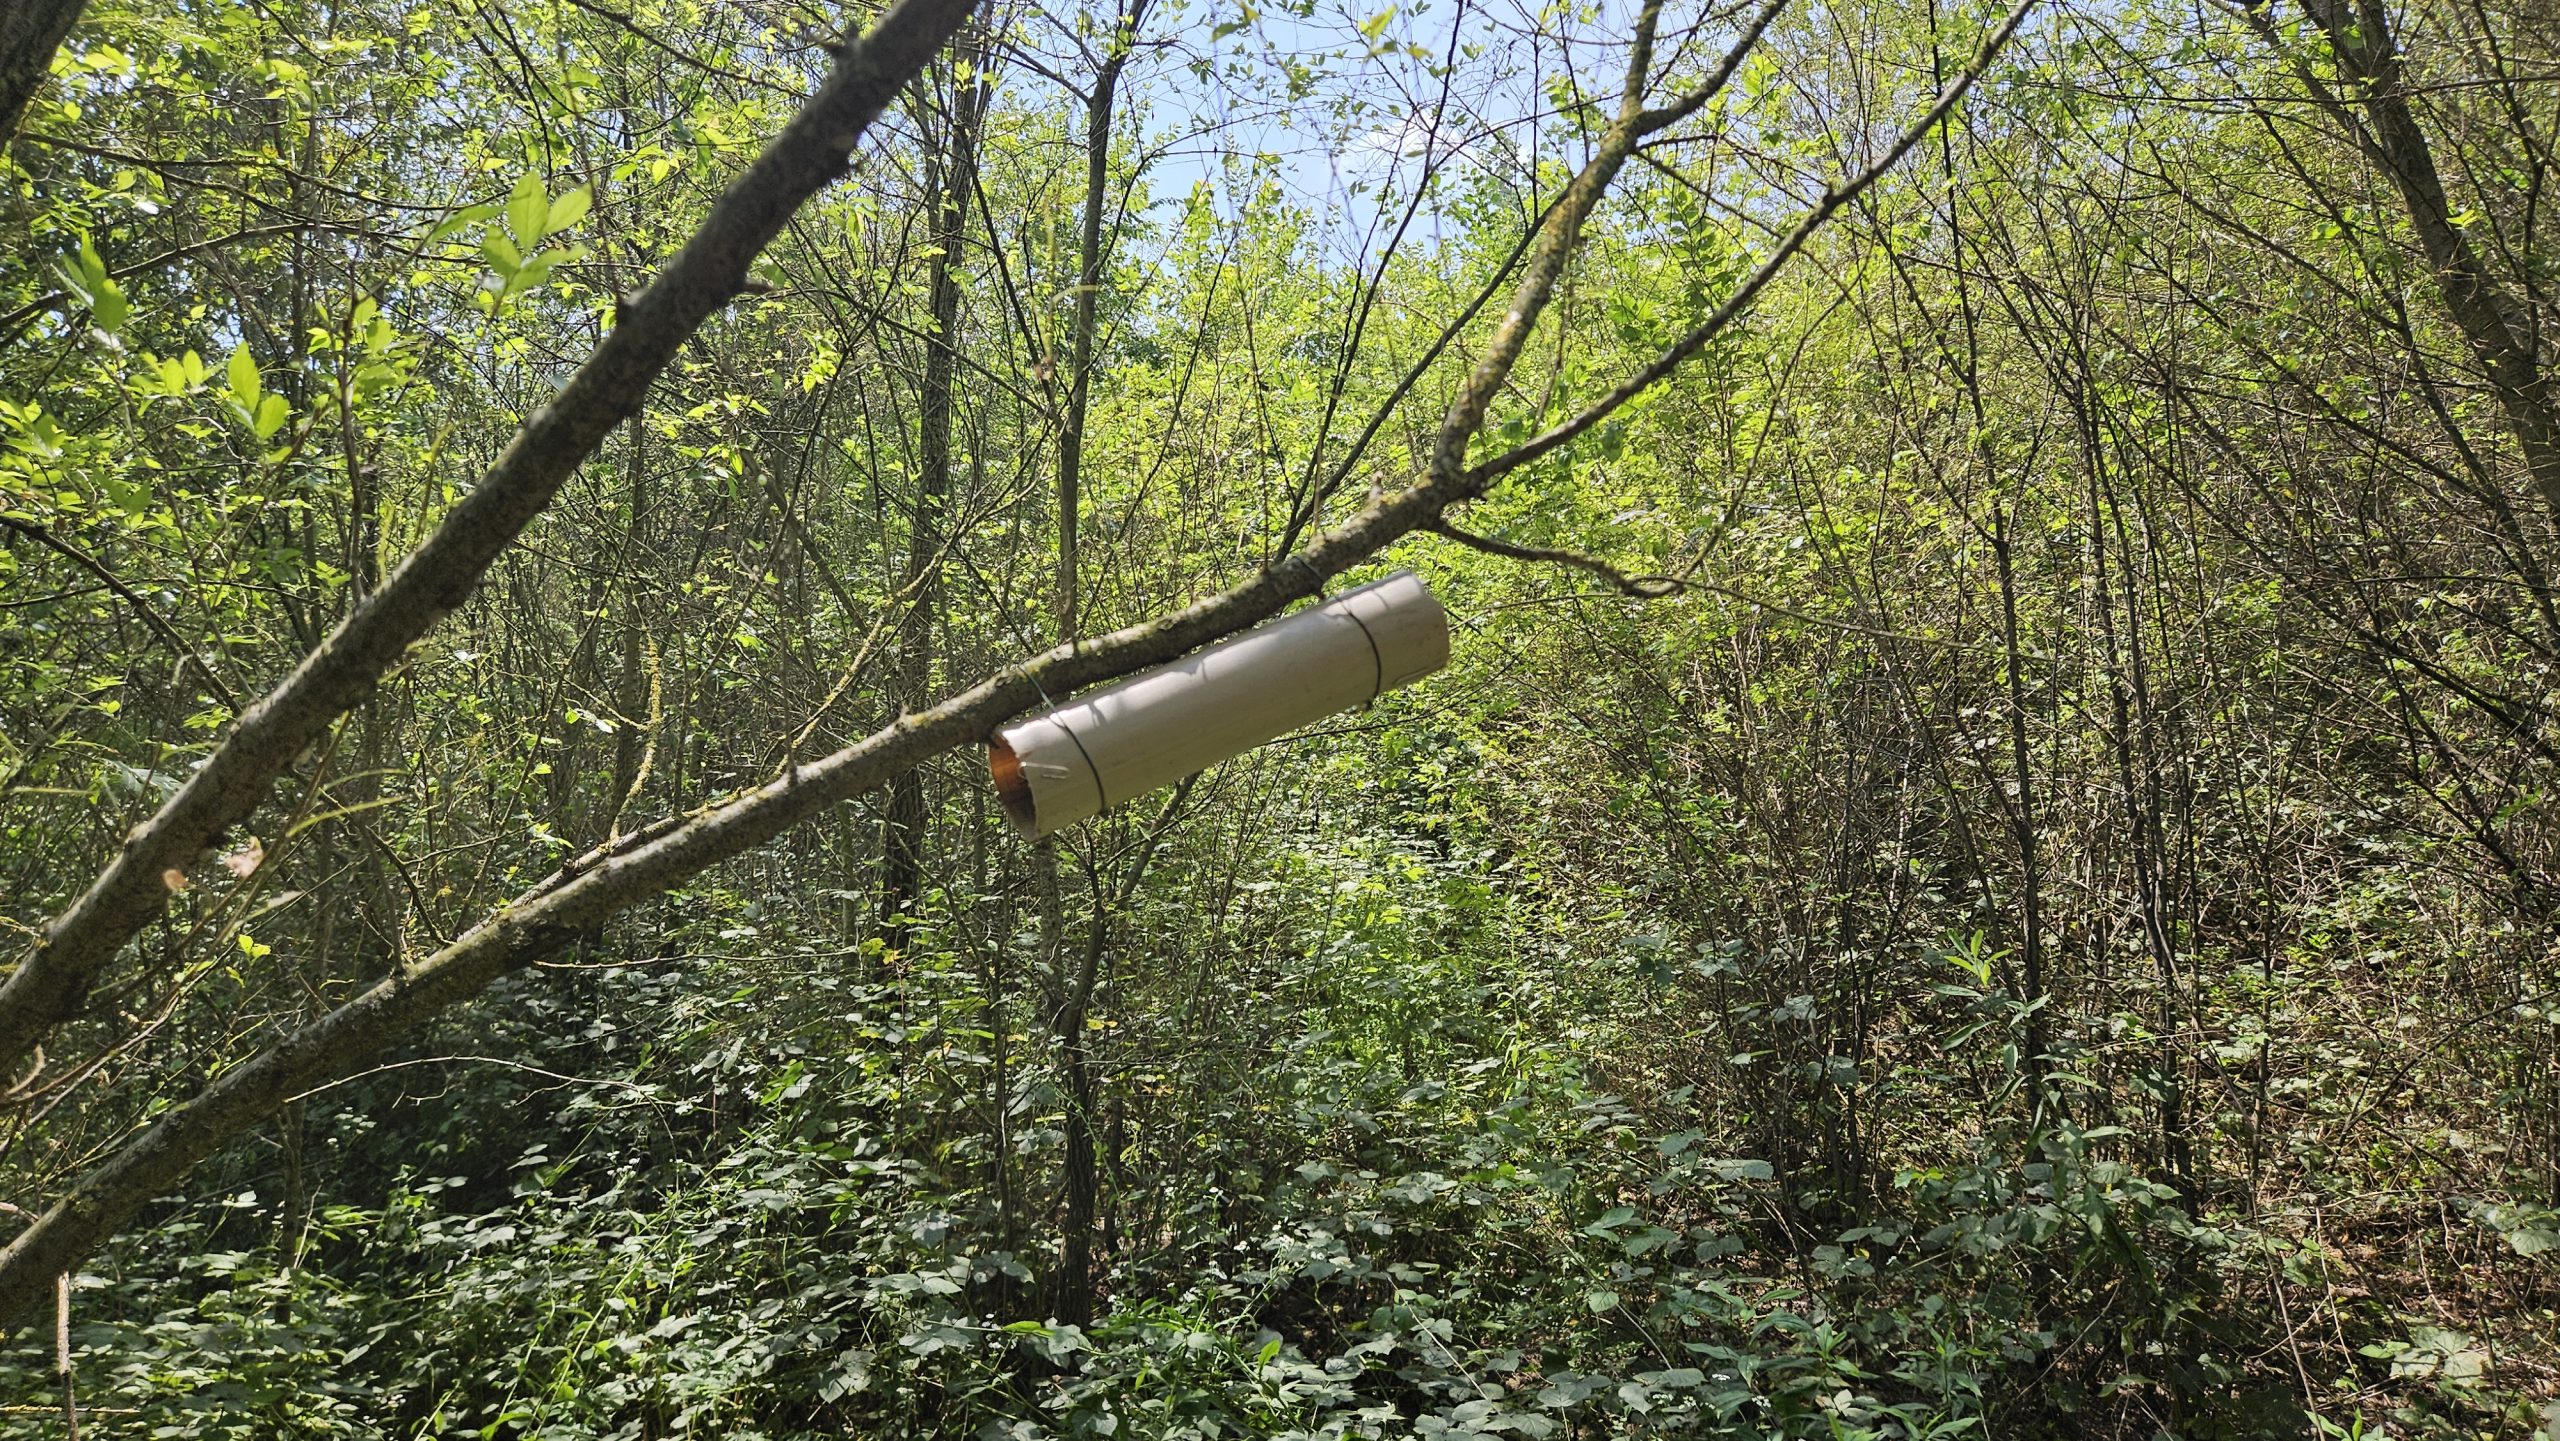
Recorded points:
(1156,727)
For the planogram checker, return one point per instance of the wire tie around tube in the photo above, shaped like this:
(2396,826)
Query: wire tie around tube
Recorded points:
(1099,794)
(1375,654)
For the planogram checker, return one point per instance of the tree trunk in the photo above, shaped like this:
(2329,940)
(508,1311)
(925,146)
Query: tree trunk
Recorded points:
(2499,333)
(632,685)
(954,172)
(1074,1289)
(1092,260)
(30,31)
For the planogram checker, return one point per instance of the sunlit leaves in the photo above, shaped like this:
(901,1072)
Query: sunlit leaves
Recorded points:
(567,210)
(527,211)
(241,375)
(171,378)
(287,79)
(261,410)
(1243,18)
(518,260)
(85,280)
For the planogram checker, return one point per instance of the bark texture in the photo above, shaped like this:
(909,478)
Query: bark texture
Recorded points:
(30,31)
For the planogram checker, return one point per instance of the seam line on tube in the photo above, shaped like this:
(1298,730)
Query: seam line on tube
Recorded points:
(1376,655)
(1099,794)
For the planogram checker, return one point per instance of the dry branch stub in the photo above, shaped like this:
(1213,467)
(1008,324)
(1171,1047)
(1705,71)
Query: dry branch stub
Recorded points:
(1074,760)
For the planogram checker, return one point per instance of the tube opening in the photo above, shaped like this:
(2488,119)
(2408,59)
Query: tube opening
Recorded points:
(1013,788)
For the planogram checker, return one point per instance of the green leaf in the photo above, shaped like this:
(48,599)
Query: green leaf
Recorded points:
(130,498)
(535,271)
(2528,1228)
(527,209)
(459,220)
(1600,1301)
(270,418)
(107,309)
(568,210)
(73,283)
(242,372)
(503,257)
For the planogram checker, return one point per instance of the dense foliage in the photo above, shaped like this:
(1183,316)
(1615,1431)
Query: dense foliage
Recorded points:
(1986,863)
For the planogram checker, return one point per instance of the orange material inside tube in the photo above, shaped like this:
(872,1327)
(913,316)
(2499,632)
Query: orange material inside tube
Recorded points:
(1013,789)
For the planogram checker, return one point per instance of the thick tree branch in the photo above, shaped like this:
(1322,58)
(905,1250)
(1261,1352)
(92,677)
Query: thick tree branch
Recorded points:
(30,31)
(1649,122)
(812,150)
(1547,257)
